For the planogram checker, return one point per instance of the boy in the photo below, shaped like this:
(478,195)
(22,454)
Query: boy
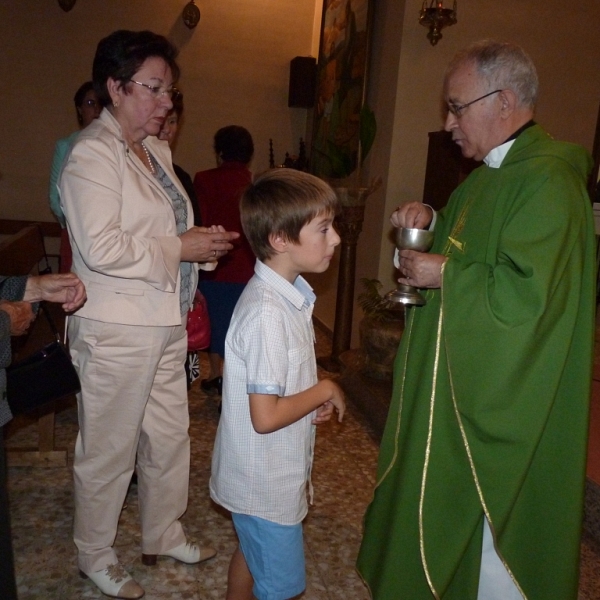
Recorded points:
(271,397)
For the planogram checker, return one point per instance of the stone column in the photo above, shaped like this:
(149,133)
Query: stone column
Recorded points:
(348,224)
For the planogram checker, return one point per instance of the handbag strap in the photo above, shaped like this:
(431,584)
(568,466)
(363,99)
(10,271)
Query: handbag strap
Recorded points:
(53,328)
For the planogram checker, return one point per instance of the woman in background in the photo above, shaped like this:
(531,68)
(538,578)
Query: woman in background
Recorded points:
(87,109)
(219,191)
(168,133)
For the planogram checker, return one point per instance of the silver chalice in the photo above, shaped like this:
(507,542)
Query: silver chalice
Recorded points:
(420,240)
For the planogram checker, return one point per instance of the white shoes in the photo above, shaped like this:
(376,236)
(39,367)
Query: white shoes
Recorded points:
(187,553)
(116,582)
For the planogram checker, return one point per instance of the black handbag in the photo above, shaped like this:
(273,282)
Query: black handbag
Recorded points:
(46,375)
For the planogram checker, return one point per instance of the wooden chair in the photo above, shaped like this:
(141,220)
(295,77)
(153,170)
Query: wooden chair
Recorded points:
(21,254)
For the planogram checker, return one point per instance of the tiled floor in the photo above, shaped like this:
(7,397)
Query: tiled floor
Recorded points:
(42,508)
(42,512)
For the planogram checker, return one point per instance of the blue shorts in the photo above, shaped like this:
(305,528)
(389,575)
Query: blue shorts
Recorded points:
(274,554)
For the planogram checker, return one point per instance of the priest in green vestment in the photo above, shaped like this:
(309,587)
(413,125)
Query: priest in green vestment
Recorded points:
(481,472)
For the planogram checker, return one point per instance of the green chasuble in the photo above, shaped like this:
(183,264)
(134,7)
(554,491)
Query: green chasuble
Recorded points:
(489,413)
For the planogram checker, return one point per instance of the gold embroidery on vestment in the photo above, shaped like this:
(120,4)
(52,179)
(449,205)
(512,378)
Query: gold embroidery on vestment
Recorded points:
(428,447)
(411,320)
(457,229)
(458,244)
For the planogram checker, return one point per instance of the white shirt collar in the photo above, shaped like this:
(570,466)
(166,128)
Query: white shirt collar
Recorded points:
(299,293)
(496,155)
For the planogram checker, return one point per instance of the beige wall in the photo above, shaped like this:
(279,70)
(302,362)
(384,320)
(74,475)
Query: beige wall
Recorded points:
(235,68)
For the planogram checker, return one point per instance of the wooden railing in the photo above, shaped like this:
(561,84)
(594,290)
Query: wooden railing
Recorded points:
(12,226)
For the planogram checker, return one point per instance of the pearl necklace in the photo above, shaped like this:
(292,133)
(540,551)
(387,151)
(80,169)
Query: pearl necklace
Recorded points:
(150,161)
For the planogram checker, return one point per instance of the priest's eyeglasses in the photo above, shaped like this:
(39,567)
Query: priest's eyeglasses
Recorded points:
(458,109)
(158,91)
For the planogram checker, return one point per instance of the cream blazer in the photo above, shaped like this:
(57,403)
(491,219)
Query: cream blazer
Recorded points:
(122,228)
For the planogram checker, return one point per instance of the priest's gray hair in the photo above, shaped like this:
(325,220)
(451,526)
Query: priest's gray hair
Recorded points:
(503,65)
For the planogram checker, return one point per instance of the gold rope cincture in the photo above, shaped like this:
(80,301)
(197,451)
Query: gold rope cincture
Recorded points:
(400,403)
(428,446)
(452,241)
(474,472)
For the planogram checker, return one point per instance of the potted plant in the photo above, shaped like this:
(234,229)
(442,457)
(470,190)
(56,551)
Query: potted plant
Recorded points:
(380,330)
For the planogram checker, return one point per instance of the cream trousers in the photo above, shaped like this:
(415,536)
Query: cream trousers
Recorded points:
(133,409)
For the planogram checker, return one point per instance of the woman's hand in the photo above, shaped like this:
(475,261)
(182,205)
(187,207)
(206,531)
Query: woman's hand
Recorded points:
(414,215)
(21,316)
(204,244)
(64,288)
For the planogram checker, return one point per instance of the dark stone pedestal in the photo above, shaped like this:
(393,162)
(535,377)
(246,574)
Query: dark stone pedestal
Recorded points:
(370,396)
(591,517)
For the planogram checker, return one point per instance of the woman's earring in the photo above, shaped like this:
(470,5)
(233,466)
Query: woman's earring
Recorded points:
(115,104)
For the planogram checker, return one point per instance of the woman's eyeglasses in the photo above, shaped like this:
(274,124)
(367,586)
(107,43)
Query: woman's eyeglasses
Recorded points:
(157,91)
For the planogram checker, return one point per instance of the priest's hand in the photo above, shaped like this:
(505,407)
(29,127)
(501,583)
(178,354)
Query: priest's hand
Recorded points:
(420,269)
(412,215)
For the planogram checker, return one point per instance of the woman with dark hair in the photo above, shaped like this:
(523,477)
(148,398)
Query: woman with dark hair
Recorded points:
(136,250)
(219,191)
(87,108)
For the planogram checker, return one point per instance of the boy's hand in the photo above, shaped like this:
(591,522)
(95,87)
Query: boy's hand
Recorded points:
(324,413)
(339,402)
(336,401)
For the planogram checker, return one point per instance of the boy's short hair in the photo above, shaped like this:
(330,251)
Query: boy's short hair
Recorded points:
(281,201)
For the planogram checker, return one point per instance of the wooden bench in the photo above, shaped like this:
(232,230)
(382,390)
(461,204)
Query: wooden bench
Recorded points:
(21,254)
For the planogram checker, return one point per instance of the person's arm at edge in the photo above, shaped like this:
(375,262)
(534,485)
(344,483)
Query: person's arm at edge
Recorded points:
(60,151)
(4,324)
(63,288)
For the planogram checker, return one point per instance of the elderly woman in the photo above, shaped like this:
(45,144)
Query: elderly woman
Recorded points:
(135,248)
(16,314)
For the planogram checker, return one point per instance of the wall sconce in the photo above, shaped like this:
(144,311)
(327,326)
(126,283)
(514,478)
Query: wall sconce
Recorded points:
(436,17)
(66,5)
(191,14)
